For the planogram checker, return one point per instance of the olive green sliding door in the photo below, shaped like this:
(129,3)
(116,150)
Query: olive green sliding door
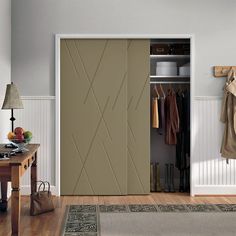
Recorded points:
(102,117)
(138,122)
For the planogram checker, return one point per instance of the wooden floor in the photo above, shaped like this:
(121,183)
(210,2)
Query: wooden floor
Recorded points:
(50,224)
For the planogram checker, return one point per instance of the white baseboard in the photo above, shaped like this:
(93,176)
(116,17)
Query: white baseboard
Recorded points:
(26,190)
(214,190)
(198,190)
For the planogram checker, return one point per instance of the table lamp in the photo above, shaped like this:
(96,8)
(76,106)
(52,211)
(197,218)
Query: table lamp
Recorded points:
(12,101)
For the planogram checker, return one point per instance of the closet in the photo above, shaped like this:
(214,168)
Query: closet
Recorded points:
(170,115)
(107,87)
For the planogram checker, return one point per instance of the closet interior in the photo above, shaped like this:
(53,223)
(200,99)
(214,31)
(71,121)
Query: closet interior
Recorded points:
(170,115)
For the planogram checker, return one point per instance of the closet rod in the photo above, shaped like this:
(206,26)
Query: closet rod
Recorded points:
(169,82)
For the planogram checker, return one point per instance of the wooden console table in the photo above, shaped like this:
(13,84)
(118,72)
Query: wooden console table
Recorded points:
(12,170)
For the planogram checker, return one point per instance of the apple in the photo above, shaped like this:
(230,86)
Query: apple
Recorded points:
(19,137)
(28,135)
(19,130)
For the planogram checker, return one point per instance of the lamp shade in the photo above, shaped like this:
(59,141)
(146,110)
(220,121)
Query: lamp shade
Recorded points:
(12,98)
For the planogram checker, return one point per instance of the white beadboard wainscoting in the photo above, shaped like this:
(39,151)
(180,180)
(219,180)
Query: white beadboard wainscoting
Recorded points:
(210,173)
(38,116)
(4,129)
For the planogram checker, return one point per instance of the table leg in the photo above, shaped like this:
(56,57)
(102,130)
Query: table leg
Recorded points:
(34,174)
(15,200)
(3,203)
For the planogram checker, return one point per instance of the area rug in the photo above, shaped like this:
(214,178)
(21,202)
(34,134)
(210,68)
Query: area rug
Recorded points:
(150,220)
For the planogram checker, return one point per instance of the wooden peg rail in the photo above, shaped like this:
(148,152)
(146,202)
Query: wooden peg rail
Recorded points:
(222,71)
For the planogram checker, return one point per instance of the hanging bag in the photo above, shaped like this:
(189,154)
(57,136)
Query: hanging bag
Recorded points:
(41,201)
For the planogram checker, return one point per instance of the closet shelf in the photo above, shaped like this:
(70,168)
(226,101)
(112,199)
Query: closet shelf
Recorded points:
(169,77)
(169,56)
(170,41)
(169,82)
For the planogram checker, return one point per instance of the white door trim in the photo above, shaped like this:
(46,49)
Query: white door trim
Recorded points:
(58,38)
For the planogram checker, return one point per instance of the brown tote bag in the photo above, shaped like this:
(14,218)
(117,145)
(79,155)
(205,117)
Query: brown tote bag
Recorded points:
(41,201)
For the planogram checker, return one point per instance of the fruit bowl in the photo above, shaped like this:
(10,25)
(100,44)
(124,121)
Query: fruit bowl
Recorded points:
(19,139)
(20,144)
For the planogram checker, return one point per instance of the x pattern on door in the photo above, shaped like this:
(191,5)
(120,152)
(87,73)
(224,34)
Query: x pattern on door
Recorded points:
(96,142)
(138,145)
(94,119)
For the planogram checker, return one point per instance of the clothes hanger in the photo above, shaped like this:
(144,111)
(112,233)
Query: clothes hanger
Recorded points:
(179,91)
(160,91)
(156,91)
(170,89)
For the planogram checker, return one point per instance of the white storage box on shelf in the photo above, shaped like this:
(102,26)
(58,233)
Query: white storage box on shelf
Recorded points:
(166,68)
(184,70)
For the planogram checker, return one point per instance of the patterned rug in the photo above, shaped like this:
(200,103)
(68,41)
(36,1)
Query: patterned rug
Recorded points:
(83,220)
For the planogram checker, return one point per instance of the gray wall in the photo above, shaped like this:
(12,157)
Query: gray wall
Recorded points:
(5,45)
(35,22)
(5,64)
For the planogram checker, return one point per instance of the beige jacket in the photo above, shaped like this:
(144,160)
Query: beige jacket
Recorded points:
(228,117)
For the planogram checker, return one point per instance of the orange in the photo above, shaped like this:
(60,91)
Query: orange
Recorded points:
(11,135)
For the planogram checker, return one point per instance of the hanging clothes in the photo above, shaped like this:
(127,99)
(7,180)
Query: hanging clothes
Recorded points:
(180,147)
(155,109)
(172,118)
(183,140)
(187,123)
(155,115)
(183,136)
(228,117)
(161,113)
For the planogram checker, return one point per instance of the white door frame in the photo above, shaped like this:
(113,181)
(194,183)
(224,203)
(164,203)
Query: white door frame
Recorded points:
(58,38)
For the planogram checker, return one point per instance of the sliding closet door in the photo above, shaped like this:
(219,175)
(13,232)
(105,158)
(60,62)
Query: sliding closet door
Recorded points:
(94,117)
(138,117)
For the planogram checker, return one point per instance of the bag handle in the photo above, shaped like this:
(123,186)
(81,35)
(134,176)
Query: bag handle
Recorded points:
(41,183)
(48,185)
(39,187)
